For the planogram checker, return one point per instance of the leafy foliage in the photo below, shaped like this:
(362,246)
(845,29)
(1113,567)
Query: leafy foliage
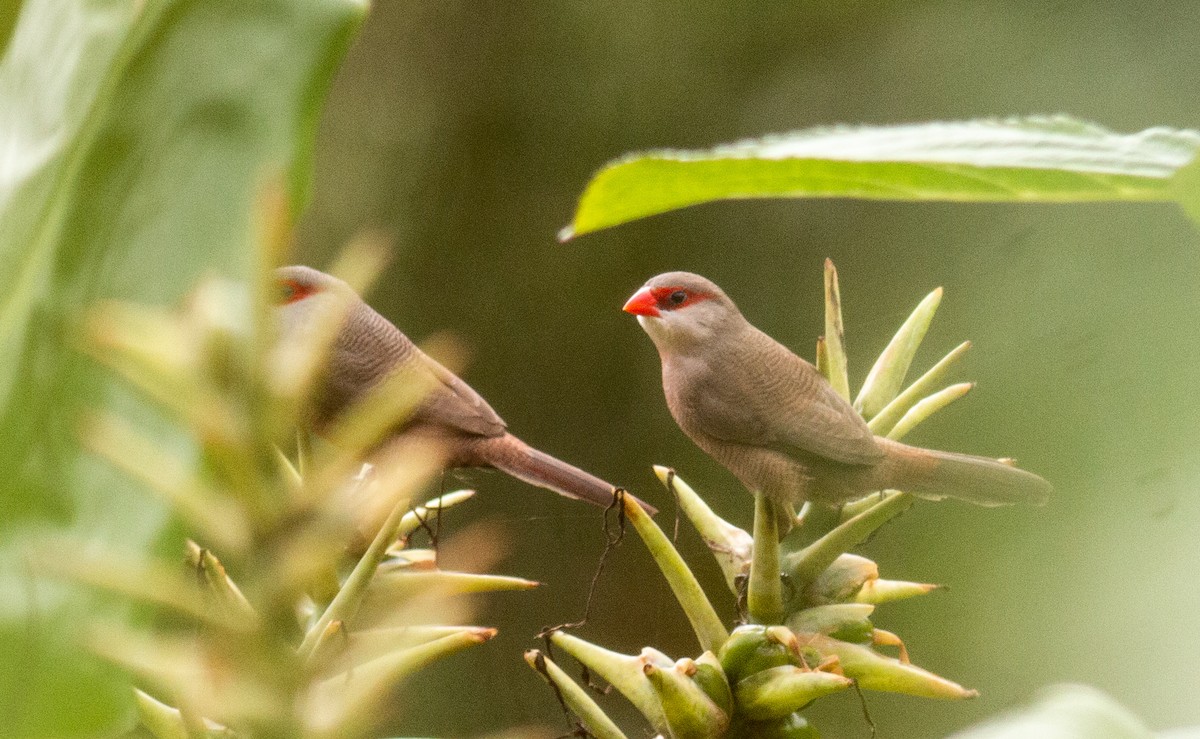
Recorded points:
(1046,160)
(135,137)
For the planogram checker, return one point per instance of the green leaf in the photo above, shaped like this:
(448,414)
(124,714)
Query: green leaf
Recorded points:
(1035,159)
(134,137)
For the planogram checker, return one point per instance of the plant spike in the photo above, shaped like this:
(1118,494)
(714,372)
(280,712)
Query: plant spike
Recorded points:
(805,565)
(874,671)
(731,546)
(417,517)
(835,339)
(779,691)
(878,591)
(927,407)
(351,594)
(345,704)
(886,419)
(623,672)
(219,583)
(691,713)
(705,622)
(886,377)
(576,698)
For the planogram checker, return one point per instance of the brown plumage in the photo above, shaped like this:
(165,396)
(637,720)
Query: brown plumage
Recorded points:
(368,349)
(774,421)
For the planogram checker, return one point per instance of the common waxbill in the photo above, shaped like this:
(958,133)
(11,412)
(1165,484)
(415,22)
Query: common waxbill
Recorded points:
(368,348)
(774,421)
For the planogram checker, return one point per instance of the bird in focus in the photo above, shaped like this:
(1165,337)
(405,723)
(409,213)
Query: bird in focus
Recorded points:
(368,349)
(774,421)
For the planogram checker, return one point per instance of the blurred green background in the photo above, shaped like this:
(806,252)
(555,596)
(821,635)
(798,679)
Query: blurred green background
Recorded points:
(466,130)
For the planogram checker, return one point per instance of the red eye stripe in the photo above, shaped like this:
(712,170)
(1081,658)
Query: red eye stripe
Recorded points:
(291,291)
(662,297)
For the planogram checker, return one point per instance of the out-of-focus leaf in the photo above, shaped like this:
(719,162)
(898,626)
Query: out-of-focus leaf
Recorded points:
(1035,159)
(1063,712)
(133,138)
(53,674)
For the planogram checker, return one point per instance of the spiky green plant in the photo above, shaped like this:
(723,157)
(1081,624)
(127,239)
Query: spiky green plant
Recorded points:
(257,635)
(755,680)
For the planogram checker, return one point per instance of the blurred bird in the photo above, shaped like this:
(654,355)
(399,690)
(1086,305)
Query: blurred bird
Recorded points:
(368,349)
(773,420)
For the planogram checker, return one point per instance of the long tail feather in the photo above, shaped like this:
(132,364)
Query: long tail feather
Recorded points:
(511,455)
(980,480)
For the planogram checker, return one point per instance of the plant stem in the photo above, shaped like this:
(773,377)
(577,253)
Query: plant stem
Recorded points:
(764,598)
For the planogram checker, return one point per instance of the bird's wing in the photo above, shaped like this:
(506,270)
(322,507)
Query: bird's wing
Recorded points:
(455,404)
(768,396)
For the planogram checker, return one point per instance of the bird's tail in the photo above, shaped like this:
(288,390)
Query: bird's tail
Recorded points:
(511,455)
(988,482)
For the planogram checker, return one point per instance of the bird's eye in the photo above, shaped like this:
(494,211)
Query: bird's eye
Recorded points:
(291,291)
(287,290)
(678,297)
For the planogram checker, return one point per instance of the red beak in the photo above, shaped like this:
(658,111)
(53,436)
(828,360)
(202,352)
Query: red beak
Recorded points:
(643,303)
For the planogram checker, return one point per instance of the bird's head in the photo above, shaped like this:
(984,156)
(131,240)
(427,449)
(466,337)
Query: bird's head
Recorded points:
(680,310)
(303,294)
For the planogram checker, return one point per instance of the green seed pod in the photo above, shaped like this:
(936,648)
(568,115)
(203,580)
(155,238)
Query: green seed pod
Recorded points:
(690,713)
(752,648)
(711,679)
(846,621)
(780,691)
(842,580)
